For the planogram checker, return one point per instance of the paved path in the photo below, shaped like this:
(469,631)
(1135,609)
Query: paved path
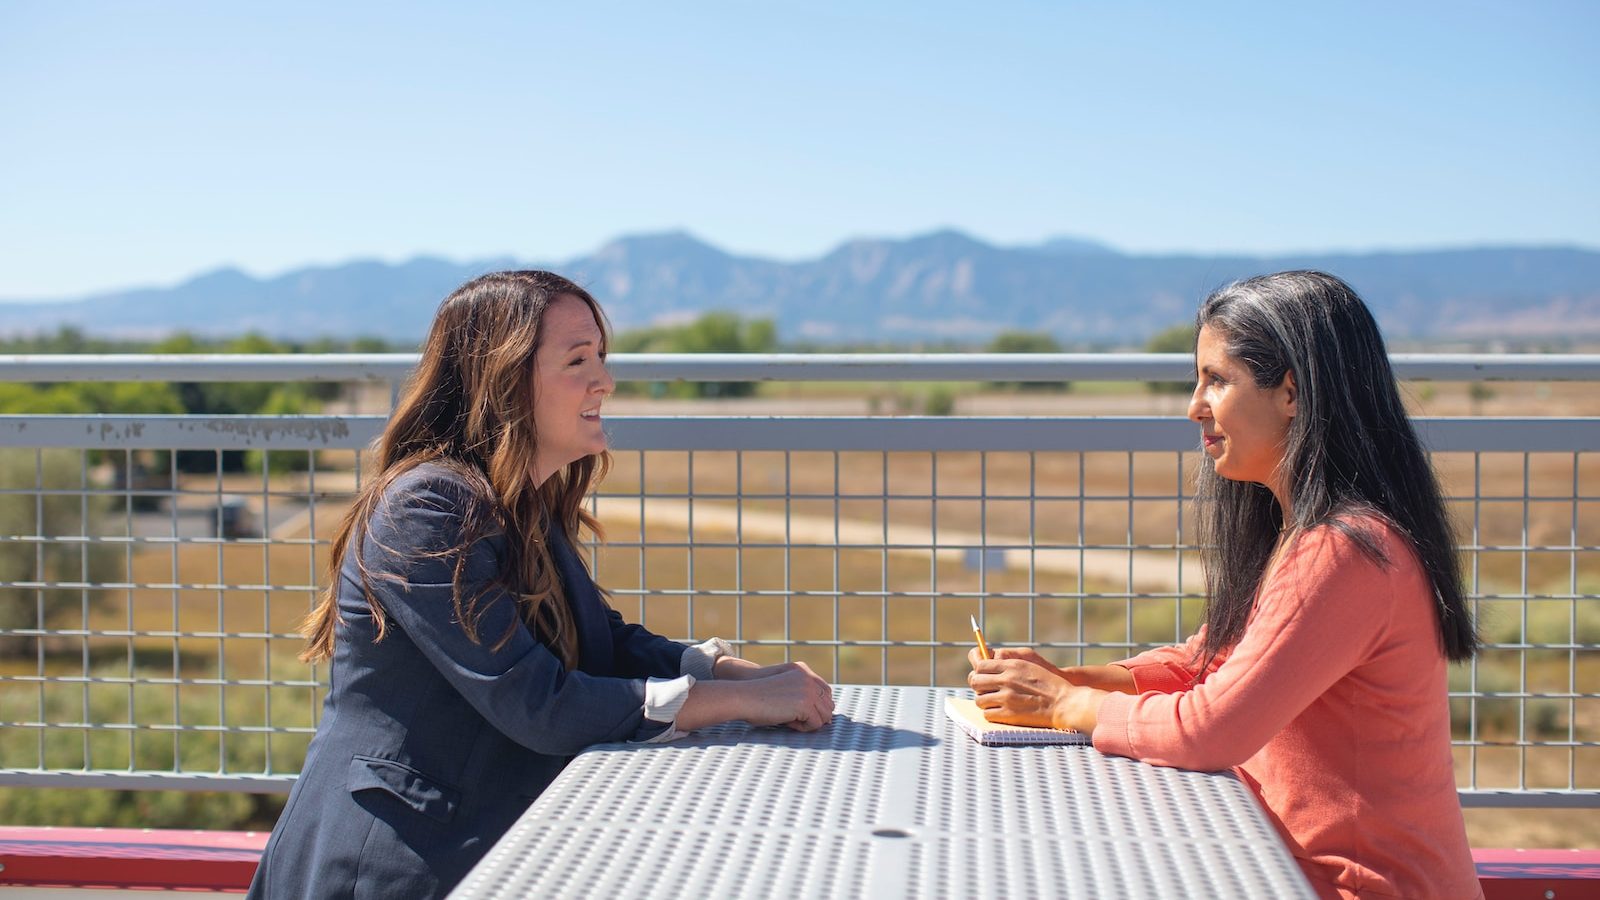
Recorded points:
(1152,570)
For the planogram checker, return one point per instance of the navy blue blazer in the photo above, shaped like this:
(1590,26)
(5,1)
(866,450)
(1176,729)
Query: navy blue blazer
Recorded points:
(430,746)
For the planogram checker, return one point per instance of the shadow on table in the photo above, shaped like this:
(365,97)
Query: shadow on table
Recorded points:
(844,734)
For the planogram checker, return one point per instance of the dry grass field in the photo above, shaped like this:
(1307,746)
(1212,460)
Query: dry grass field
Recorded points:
(866,565)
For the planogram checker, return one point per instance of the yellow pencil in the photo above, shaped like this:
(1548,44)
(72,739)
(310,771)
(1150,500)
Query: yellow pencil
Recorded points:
(983,646)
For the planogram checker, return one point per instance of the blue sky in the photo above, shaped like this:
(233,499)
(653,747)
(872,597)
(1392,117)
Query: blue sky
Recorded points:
(141,143)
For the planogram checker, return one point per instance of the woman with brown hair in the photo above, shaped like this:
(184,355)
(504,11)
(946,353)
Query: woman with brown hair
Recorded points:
(472,655)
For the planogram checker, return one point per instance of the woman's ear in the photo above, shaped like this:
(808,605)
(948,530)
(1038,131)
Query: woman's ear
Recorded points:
(1288,395)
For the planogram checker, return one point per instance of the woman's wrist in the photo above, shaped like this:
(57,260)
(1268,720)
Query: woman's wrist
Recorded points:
(1078,709)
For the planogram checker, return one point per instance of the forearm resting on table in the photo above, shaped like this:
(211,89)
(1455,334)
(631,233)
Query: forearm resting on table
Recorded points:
(791,694)
(712,703)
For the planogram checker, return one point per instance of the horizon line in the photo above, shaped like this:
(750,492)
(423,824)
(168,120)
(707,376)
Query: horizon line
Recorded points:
(1093,247)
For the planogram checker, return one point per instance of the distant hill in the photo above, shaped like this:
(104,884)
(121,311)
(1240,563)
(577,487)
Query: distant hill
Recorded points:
(939,286)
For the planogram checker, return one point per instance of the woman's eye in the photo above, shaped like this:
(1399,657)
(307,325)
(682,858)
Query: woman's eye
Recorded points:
(579,361)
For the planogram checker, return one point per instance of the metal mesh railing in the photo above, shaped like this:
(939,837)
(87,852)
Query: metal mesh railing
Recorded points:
(155,569)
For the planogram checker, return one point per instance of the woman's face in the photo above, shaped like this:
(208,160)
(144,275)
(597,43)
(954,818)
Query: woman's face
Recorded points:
(1244,427)
(570,382)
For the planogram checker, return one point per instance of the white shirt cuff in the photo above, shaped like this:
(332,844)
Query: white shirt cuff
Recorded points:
(701,659)
(663,699)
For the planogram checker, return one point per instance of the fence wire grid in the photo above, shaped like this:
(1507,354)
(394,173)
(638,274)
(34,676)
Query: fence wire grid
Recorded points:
(155,570)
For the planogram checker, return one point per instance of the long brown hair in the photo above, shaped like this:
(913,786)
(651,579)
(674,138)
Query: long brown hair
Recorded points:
(469,406)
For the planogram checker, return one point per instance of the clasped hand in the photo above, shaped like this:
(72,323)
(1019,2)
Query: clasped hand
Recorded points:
(788,694)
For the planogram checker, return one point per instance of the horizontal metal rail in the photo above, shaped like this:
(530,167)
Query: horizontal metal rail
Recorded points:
(207,367)
(884,367)
(1445,434)
(1522,799)
(151,780)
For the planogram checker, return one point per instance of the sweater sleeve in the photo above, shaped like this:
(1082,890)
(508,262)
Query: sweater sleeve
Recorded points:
(521,688)
(1167,670)
(1318,615)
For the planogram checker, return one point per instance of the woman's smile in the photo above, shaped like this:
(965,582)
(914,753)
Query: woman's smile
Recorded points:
(570,379)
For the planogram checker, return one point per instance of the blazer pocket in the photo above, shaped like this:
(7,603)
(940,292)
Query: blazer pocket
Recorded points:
(432,798)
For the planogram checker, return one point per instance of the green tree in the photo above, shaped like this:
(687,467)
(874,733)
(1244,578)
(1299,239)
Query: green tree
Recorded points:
(1177,339)
(66,339)
(939,401)
(287,400)
(79,398)
(121,397)
(107,398)
(240,398)
(1023,342)
(259,398)
(1479,393)
(42,399)
(368,345)
(1026,342)
(713,332)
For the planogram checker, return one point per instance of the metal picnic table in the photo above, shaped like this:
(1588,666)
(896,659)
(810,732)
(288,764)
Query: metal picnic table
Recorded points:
(891,800)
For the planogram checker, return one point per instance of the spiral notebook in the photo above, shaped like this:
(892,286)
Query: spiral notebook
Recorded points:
(969,718)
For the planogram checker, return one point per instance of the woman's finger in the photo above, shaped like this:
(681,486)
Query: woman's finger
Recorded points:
(984,682)
(992,699)
(996,713)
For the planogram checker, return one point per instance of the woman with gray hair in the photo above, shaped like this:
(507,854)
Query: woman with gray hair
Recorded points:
(1334,604)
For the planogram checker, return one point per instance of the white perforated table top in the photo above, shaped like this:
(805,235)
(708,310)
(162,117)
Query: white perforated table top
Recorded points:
(889,801)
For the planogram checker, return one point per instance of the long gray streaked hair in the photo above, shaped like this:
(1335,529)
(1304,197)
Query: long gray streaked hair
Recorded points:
(1351,450)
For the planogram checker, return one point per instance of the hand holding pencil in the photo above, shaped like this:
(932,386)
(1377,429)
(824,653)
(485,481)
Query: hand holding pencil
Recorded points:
(1105,678)
(1016,685)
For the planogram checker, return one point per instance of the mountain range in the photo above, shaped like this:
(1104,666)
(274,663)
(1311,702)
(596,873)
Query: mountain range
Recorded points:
(939,287)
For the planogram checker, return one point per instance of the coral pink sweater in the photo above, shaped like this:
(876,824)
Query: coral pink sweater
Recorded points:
(1333,708)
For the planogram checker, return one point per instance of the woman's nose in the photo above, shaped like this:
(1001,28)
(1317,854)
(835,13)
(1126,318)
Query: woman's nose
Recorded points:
(1197,405)
(606,384)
